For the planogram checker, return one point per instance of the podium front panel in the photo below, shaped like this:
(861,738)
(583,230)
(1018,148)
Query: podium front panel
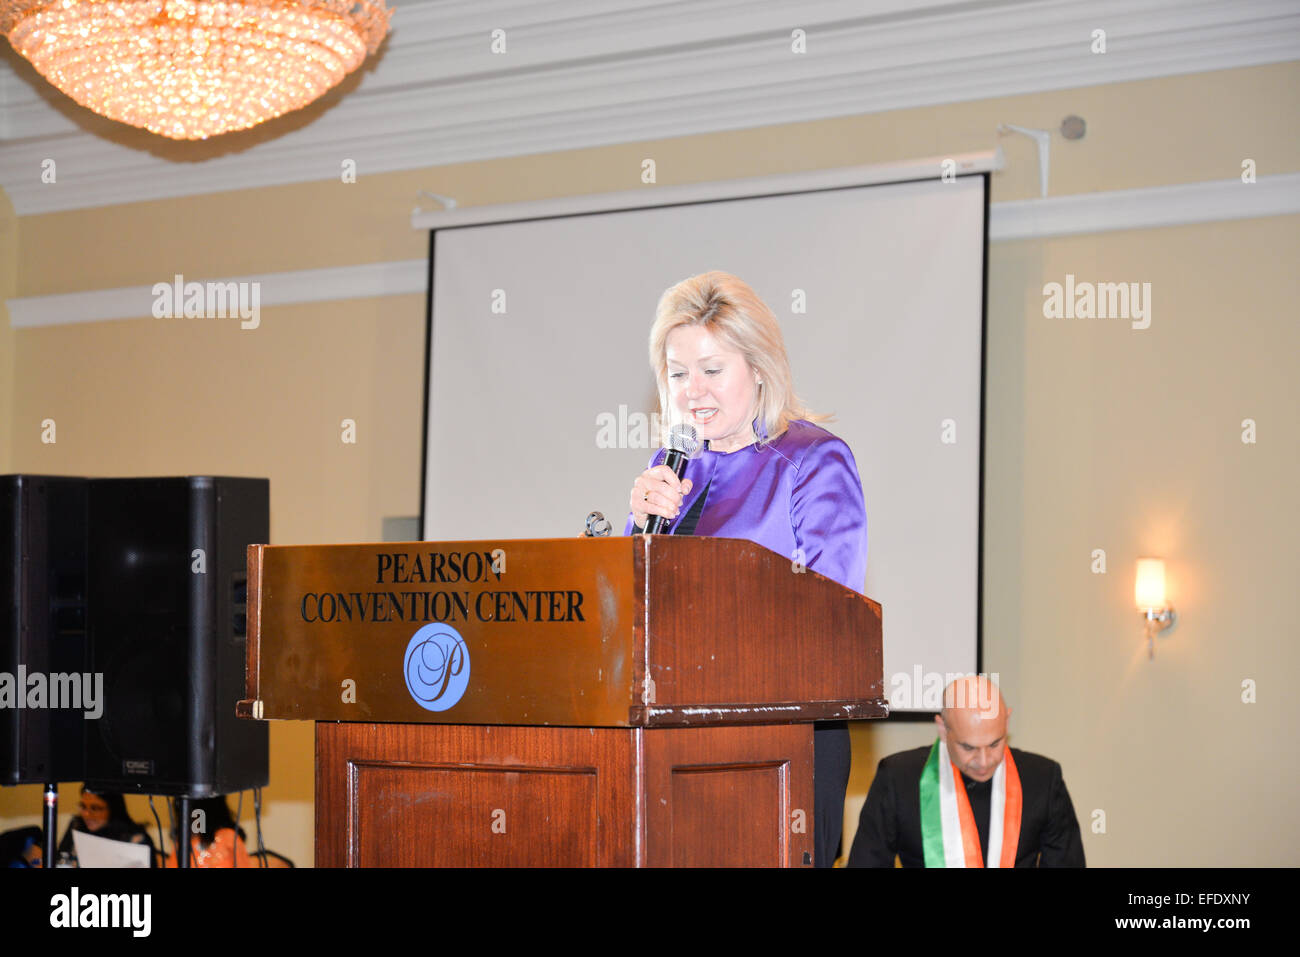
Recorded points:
(513,632)
(421,795)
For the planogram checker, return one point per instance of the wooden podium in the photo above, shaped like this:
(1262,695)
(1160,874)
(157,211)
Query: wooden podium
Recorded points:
(632,701)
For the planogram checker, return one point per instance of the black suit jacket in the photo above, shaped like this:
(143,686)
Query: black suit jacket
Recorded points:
(891,818)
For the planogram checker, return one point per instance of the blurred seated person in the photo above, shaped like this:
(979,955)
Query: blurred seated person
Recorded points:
(215,839)
(21,847)
(103,813)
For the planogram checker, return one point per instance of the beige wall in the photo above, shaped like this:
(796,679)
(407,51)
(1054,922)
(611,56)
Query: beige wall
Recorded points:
(8,288)
(1098,436)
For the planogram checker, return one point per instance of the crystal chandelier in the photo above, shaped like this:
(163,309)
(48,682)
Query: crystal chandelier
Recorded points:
(190,69)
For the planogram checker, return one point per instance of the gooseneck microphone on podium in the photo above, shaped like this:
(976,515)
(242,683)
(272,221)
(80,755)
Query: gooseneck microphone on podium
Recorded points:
(683,445)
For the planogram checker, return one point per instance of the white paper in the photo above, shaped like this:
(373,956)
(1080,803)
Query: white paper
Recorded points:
(95,851)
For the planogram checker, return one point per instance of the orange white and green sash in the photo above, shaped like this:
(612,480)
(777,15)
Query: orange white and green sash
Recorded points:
(949,837)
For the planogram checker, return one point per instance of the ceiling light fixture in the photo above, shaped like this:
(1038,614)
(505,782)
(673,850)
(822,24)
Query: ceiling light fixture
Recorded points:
(191,69)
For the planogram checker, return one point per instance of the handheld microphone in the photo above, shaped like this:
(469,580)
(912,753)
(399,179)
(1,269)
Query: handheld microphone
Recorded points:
(683,445)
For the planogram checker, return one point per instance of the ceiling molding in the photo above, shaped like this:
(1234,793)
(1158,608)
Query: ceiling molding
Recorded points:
(274,289)
(638,70)
(1023,219)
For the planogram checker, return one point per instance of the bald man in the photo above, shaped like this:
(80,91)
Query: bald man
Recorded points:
(968,800)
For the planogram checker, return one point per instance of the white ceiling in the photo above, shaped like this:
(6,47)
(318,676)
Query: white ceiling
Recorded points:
(578,74)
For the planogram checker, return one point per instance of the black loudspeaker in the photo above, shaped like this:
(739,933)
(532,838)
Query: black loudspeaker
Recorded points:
(43,666)
(167,607)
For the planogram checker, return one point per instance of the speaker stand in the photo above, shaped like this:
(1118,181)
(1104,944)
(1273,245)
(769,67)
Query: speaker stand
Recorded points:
(183,845)
(51,823)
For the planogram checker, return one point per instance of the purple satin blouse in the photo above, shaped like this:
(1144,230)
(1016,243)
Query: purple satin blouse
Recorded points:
(799,495)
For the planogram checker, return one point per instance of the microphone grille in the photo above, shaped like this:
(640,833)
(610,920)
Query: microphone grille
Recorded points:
(683,438)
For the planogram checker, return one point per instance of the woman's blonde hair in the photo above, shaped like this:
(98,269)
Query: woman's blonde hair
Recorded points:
(734,315)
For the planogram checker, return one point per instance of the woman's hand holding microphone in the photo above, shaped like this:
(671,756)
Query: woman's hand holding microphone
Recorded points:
(658,491)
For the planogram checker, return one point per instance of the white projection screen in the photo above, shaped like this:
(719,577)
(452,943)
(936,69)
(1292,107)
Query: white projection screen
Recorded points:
(539,388)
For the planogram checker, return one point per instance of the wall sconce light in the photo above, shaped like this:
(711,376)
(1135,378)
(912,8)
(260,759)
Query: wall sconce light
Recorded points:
(1157,613)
